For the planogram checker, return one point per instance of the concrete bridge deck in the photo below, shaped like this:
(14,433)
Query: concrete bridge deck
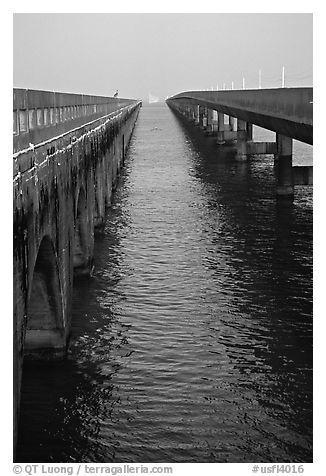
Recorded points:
(287,111)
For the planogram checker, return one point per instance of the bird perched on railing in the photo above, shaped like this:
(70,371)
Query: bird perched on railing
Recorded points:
(116,94)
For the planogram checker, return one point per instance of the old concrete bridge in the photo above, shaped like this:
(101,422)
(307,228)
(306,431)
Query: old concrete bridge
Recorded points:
(68,150)
(286,111)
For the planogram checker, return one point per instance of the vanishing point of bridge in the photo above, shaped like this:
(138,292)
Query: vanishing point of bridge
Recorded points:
(68,150)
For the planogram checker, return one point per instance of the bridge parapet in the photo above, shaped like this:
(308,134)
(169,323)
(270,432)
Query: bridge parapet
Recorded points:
(40,115)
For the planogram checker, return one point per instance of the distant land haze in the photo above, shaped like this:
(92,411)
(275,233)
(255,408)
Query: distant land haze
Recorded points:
(160,53)
(153,99)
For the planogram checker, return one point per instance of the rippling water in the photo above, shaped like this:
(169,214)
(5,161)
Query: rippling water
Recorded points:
(193,340)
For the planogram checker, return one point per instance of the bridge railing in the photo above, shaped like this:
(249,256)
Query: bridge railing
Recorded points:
(38,115)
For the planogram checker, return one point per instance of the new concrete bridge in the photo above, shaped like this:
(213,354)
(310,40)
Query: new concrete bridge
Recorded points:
(68,150)
(287,111)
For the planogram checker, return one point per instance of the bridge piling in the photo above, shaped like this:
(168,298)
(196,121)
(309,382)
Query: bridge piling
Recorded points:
(249,131)
(241,154)
(283,166)
(196,115)
(201,113)
(220,129)
(189,113)
(205,119)
(209,130)
(231,123)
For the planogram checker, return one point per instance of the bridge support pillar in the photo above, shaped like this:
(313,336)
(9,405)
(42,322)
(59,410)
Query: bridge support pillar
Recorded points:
(220,128)
(202,117)
(193,112)
(205,119)
(231,123)
(190,114)
(283,166)
(241,141)
(215,122)
(249,131)
(209,128)
(196,115)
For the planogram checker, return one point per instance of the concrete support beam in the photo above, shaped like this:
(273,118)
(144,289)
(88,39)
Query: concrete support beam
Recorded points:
(191,113)
(241,141)
(200,116)
(210,117)
(249,131)
(205,119)
(211,124)
(283,166)
(231,123)
(220,128)
(196,115)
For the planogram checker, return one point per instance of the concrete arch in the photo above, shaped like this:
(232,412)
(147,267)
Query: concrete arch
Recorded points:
(45,332)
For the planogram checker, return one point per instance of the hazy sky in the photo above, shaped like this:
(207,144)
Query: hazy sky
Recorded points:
(160,53)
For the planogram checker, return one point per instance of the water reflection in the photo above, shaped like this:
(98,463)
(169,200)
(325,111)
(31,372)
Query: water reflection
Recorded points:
(269,275)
